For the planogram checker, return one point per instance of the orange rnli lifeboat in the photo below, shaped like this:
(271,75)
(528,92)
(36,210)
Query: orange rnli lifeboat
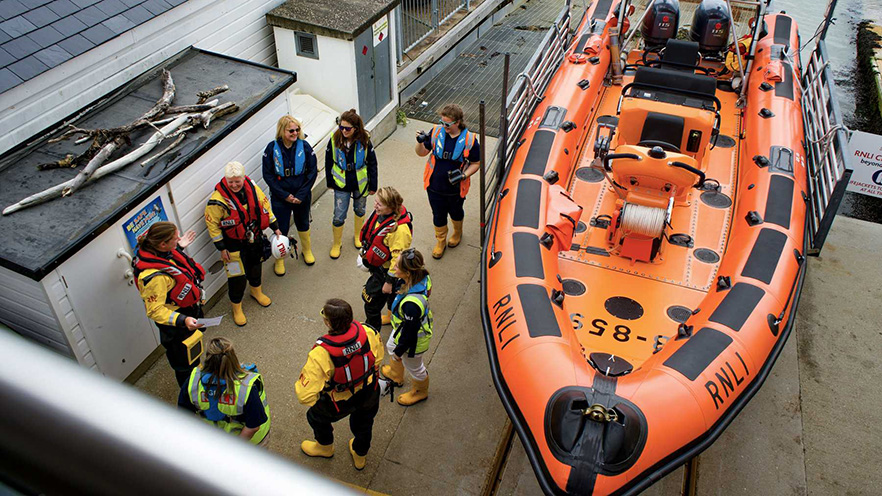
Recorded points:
(645,253)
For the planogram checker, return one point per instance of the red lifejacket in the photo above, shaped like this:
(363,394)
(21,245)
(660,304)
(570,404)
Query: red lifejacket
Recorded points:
(376,253)
(188,275)
(352,357)
(237,223)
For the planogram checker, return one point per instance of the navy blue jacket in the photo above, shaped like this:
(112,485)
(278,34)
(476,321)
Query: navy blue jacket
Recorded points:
(299,186)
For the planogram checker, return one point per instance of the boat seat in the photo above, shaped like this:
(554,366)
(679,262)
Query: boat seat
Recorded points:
(698,86)
(652,181)
(679,55)
(662,130)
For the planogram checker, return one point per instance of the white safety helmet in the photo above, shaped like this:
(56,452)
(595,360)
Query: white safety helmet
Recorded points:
(281,246)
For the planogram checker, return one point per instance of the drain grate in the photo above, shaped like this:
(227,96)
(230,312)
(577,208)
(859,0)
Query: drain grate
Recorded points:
(573,287)
(679,313)
(724,141)
(624,308)
(706,255)
(589,174)
(716,199)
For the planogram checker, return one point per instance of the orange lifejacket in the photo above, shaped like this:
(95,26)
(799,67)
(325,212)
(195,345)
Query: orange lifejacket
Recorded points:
(466,140)
(188,275)
(240,220)
(352,357)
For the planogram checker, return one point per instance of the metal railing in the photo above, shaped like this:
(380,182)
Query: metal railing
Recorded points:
(826,146)
(519,103)
(418,19)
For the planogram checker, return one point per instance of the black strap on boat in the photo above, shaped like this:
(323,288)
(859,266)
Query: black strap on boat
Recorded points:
(587,451)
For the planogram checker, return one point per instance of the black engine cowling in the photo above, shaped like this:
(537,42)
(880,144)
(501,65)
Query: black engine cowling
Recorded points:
(661,23)
(710,27)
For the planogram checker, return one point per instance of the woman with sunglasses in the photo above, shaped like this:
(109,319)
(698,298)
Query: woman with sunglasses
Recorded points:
(289,169)
(454,155)
(351,171)
(385,235)
(411,327)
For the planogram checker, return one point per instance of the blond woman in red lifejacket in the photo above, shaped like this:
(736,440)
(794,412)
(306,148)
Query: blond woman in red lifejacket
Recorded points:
(454,155)
(170,285)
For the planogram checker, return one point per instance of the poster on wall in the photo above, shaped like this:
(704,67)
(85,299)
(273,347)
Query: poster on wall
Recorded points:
(866,153)
(381,30)
(138,223)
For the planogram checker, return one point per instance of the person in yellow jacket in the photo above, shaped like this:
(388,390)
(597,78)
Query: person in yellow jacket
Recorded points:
(340,379)
(236,216)
(387,232)
(227,394)
(170,285)
(411,328)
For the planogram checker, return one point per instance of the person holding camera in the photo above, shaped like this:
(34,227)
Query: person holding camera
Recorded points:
(454,155)
(236,216)
(289,169)
(351,172)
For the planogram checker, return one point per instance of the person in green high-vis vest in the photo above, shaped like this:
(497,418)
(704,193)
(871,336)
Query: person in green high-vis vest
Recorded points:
(351,172)
(229,395)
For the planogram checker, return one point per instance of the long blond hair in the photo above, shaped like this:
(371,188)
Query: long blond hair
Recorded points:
(158,232)
(222,363)
(283,123)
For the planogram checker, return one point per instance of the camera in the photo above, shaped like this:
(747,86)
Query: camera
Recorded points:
(455,176)
(422,137)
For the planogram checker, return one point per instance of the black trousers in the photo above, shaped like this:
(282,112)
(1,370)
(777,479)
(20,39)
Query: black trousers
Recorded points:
(172,339)
(374,298)
(251,262)
(361,408)
(444,205)
(284,210)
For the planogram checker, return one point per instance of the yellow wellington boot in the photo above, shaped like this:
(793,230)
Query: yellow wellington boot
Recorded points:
(306,247)
(394,371)
(386,318)
(257,294)
(357,459)
(456,237)
(359,221)
(239,315)
(279,267)
(312,448)
(441,244)
(418,392)
(338,242)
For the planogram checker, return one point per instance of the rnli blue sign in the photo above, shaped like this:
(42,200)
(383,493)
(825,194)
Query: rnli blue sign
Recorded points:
(138,223)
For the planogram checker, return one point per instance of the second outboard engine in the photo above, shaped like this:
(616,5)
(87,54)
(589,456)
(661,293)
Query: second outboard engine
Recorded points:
(710,27)
(661,23)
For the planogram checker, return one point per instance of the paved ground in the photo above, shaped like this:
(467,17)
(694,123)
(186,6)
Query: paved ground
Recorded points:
(477,73)
(442,446)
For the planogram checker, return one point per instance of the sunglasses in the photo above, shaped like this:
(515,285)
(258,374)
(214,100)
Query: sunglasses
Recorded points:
(295,130)
(346,128)
(446,124)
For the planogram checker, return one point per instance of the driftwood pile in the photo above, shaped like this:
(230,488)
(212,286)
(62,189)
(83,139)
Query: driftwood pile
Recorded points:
(175,122)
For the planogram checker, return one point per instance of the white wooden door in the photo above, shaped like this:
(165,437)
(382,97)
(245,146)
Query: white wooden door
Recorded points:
(106,303)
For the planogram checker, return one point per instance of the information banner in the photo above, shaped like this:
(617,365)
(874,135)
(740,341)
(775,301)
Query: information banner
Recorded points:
(866,161)
(142,219)
(381,30)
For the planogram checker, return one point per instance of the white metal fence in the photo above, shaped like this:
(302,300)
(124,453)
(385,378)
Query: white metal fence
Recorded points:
(418,19)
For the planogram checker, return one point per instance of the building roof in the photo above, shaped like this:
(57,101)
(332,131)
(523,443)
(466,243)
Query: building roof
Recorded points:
(39,238)
(343,19)
(37,35)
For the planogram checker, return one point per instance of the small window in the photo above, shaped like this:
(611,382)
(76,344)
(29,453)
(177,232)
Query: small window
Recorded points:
(307,45)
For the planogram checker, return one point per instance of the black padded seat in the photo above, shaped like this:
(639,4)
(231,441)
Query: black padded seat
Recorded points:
(676,80)
(680,55)
(662,130)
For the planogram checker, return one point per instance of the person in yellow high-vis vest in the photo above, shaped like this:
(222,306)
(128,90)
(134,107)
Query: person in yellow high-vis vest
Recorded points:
(411,327)
(454,156)
(227,394)
(351,172)
(236,215)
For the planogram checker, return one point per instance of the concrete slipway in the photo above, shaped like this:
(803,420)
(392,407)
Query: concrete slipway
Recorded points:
(812,429)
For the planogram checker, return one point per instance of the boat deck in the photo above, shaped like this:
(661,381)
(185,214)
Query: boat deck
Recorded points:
(667,290)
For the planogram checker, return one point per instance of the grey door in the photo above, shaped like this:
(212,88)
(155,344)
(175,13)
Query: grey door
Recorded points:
(383,72)
(364,73)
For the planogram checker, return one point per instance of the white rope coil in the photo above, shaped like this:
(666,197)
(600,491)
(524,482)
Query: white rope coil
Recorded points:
(640,219)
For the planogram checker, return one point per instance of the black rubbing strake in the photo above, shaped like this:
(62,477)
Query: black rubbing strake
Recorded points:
(782,30)
(602,9)
(785,87)
(779,203)
(537,157)
(538,311)
(764,255)
(698,352)
(526,212)
(737,306)
(528,257)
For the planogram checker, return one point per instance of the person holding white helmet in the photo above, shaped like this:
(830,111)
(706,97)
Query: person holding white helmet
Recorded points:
(236,216)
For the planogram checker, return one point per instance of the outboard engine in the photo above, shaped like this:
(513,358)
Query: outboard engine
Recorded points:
(661,23)
(710,27)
